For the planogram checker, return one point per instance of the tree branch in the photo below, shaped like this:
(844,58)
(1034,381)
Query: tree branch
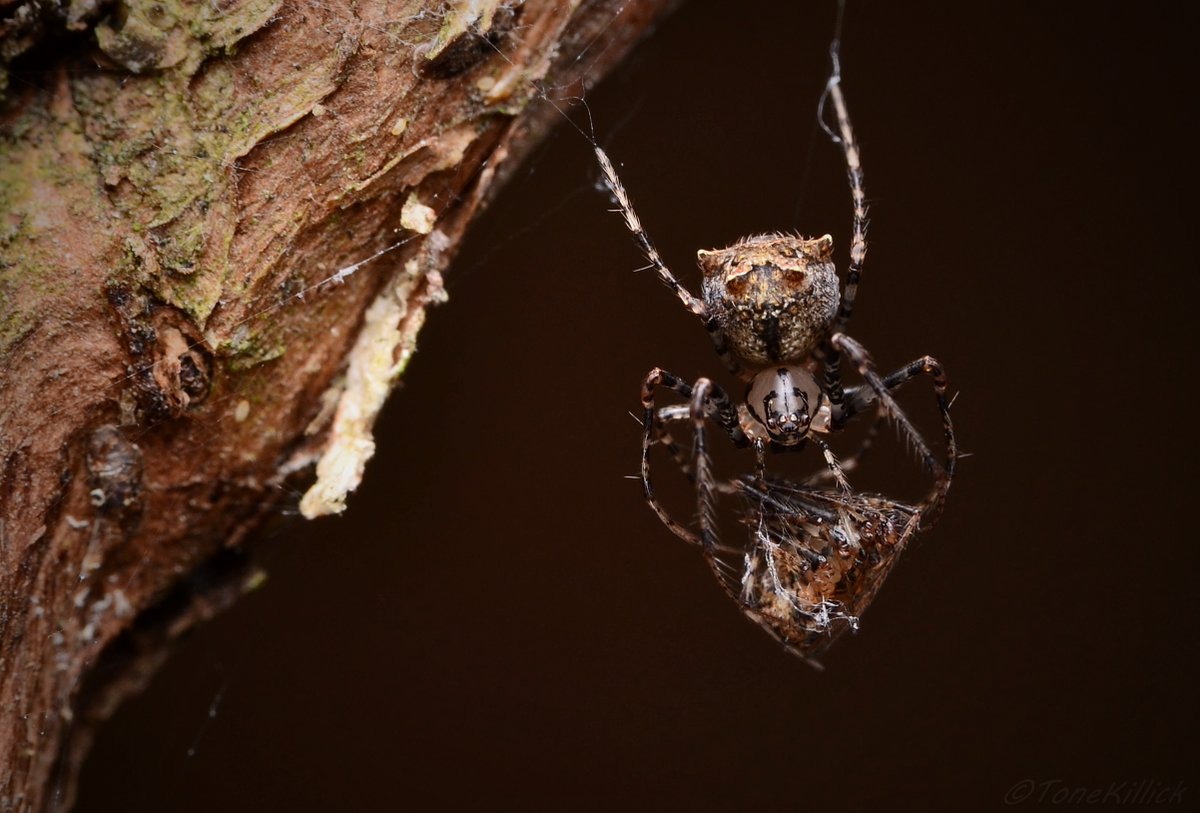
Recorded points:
(219,232)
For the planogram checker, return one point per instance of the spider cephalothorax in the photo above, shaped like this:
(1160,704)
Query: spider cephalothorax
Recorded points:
(774,295)
(784,405)
(772,307)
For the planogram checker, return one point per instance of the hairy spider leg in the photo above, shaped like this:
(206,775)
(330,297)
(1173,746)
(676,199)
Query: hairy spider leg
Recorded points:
(852,462)
(663,436)
(860,398)
(835,469)
(706,504)
(704,398)
(854,172)
(831,364)
(692,303)
(927,365)
(827,354)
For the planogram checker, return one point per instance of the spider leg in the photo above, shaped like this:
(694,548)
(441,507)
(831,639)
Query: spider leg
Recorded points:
(657,378)
(857,399)
(682,412)
(706,400)
(663,437)
(760,464)
(831,364)
(858,241)
(839,477)
(943,473)
(855,459)
(706,504)
(634,224)
(835,469)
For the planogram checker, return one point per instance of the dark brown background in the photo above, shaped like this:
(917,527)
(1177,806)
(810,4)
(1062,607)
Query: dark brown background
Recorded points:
(500,621)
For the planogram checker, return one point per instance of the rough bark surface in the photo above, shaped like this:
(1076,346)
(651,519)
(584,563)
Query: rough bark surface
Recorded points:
(176,187)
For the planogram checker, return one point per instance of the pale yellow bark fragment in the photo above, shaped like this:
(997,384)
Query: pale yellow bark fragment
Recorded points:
(383,348)
(416,216)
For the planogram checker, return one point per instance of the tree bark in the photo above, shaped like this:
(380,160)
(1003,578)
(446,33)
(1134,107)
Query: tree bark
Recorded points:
(220,226)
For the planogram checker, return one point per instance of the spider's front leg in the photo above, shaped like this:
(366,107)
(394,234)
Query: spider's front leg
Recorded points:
(705,400)
(856,400)
(880,389)
(692,303)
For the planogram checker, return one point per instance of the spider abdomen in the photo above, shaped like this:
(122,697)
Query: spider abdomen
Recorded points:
(773,295)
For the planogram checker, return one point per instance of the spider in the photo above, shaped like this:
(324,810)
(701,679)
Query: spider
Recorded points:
(816,560)
(772,308)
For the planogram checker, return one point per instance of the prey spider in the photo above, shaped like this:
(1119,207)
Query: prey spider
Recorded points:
(772,307)
(815,561)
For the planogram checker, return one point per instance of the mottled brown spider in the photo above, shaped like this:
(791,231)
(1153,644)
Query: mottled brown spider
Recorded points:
(772,307)
(815,560)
